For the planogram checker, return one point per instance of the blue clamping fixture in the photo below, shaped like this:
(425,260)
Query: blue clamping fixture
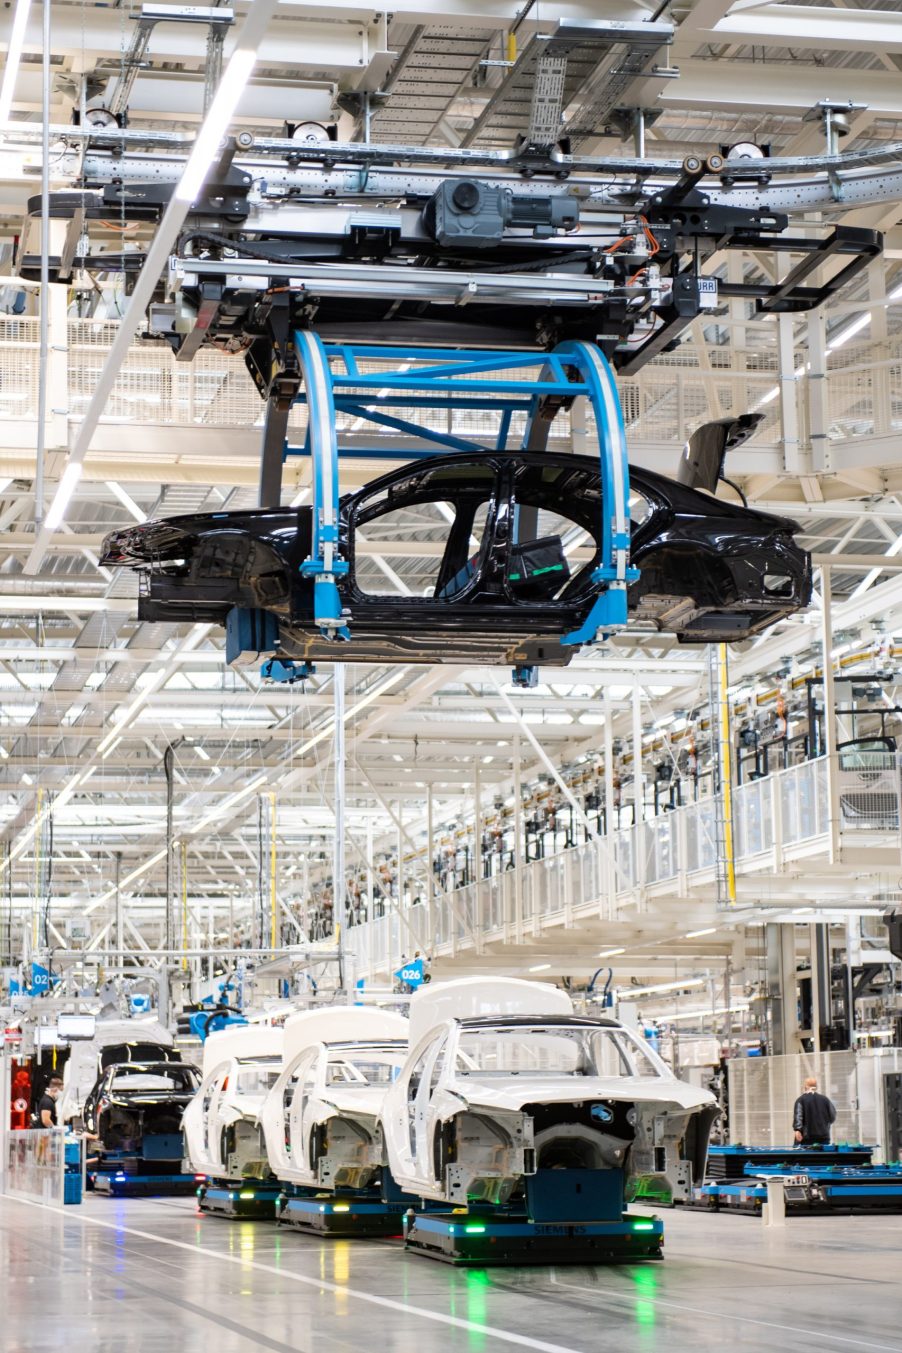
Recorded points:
(526,676)
(325,564)
(286,670)
(449,379)
(250,631)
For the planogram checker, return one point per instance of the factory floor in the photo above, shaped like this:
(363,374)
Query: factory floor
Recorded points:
(113,1276)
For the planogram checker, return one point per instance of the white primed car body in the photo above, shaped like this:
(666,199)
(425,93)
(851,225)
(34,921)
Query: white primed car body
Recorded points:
(223,1137)
(321,1118)
(83,1063)
(484,1101)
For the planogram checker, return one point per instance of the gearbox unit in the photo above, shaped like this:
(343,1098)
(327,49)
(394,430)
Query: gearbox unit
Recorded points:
(475,214)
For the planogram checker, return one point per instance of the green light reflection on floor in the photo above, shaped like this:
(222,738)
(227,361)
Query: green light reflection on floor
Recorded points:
(645,1281)
(477,1285)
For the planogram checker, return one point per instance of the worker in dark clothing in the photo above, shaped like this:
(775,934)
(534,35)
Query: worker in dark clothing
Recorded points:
(813,1116)
(46,1110)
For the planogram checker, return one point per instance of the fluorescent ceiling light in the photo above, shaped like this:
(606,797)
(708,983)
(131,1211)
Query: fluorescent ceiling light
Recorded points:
(539,967)
(13,58)
(228,804)
(129,878)
(216,123)
(609,953)
(61,499)
(633,993)
(706,1014)
(694,934)
(849,331)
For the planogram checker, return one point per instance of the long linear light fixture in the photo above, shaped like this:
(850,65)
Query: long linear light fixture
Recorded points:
(124,882)
(839,338)
(634,993)
(80,778)
(209,138)
(13,58)
(706,1012)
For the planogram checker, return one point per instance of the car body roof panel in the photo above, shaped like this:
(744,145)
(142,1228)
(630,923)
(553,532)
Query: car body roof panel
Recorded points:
(246,1041)
(471,997)
(340,1024)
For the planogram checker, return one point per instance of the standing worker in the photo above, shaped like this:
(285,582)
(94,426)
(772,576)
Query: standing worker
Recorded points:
(813,1116)
(46,1110)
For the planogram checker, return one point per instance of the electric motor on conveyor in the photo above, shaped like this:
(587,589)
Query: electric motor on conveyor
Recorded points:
(330,382)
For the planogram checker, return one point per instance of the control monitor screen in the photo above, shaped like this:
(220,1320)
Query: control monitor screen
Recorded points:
(76,1026)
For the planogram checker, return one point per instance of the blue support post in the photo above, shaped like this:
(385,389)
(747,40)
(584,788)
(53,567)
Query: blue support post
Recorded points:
(325,564)
(609,611)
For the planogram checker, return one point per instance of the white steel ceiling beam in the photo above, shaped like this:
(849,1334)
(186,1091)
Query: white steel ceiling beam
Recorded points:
(724,87)
(300,42)
(809,28)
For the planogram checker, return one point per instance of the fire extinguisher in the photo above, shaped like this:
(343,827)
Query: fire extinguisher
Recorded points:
(21,1097)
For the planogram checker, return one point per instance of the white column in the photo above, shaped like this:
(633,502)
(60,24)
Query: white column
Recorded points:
(339,890)
(519,853)
(789,409)
(830,713)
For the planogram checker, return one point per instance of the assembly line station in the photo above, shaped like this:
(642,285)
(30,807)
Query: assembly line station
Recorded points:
(451,815)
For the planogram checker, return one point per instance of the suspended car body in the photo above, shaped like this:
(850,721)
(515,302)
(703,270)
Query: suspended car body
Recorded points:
(468,558)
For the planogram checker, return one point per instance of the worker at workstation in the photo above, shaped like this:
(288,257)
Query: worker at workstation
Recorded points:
(45,1113)
(813,1116)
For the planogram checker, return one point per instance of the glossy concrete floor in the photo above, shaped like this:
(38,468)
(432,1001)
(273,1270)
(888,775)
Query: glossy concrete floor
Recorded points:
(114,1276)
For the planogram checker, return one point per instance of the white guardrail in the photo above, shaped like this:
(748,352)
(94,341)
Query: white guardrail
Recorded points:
(784,814)
(864,392)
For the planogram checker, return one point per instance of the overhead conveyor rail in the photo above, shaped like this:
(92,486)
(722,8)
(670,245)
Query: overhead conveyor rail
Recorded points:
(519,249)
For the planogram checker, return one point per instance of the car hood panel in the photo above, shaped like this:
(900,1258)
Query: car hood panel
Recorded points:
(512,1094)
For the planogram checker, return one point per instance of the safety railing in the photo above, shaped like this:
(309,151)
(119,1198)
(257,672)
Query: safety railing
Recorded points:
(215,389)
(772,818)
(672,393)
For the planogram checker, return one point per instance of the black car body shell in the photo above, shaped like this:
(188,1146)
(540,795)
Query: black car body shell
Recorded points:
(140,1127)
(710,570)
